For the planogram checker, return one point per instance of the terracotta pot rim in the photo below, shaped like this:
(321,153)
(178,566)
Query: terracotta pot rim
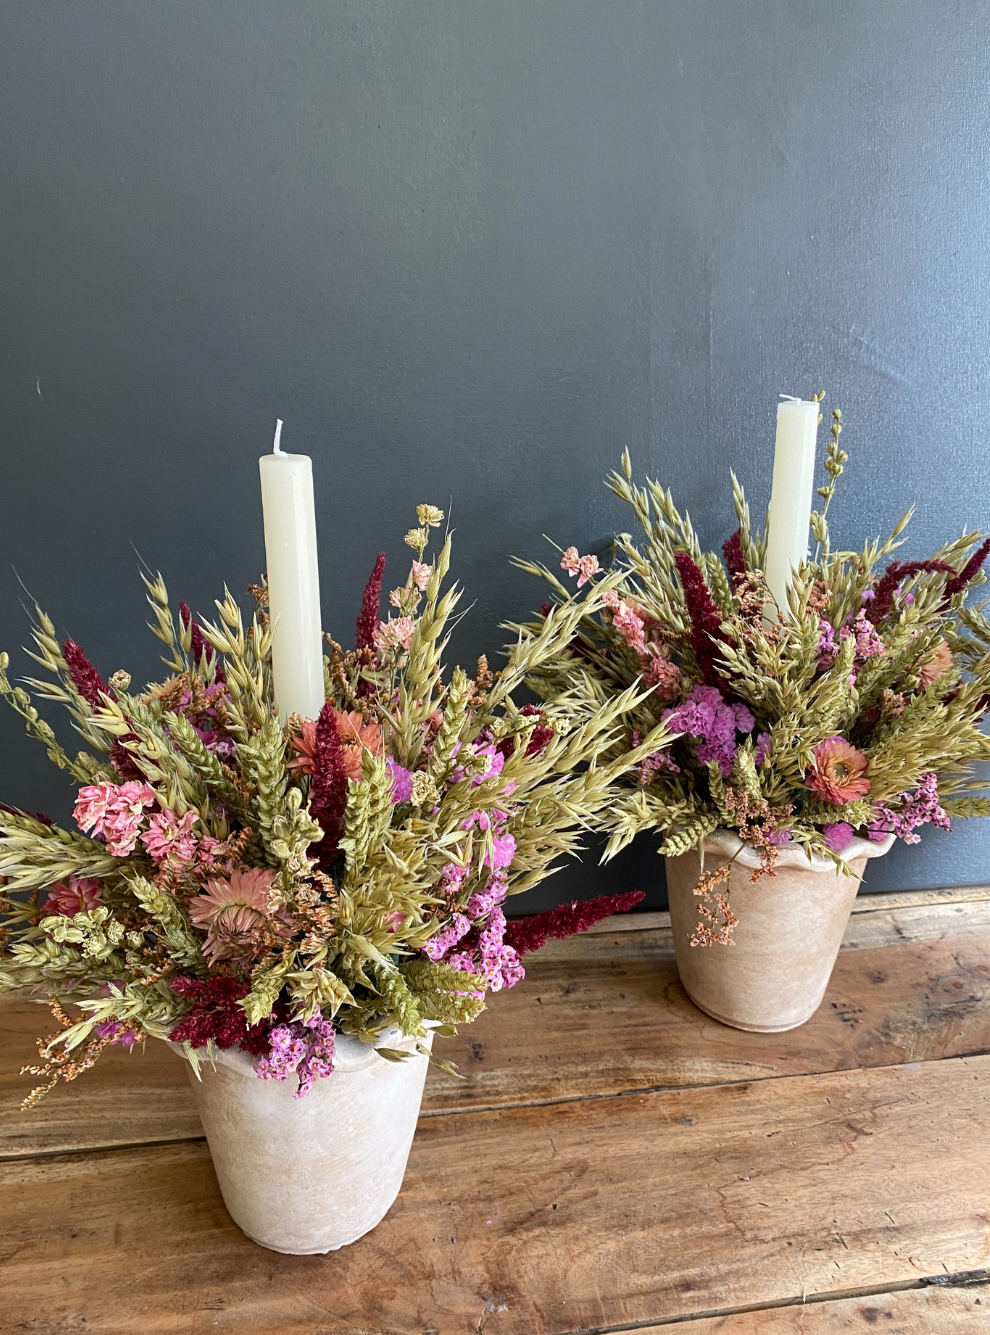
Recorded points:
(350,1054)
(728,843)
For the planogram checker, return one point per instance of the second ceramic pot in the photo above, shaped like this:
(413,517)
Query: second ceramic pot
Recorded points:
(787,938)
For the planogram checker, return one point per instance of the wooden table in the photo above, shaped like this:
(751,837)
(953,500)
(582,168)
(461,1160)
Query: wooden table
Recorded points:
(612,1160)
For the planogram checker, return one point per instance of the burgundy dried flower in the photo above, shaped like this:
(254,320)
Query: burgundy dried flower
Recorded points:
(328,792)
(85,677)
(367,622)
(732,550)
(215,1014)
(706,623)
(880,606)
(959,582)
(530,933)
(199,644)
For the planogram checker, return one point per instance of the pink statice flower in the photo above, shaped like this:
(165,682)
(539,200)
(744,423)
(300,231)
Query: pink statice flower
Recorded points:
(421,573)
(779,837)
(114,813)
(489,897)
(498,964)
(868,642)
(437,946)
(396,633)
(921,807)
(170,838)
(303,1048)
(762,747)
(80,895)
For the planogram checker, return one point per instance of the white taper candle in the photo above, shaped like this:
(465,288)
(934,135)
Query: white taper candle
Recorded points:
(293,581)
(791,496)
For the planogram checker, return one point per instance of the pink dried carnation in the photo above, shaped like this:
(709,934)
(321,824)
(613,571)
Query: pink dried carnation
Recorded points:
(233,913)
(421,573)
(838,771)
(396,633)
(570,561)
(80,895)
(170,837)
(114,813)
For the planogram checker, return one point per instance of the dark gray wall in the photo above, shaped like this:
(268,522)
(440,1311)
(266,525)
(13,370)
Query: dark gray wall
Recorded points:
(468,251)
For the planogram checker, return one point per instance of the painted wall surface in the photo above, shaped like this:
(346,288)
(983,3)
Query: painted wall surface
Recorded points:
(468,251)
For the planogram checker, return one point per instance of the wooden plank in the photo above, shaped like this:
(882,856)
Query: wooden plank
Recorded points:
(596,1214)
(964,1310)
(864,903)
(594,1016)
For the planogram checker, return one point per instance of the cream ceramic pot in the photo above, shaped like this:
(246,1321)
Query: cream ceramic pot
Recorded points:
(787,938)
(312,1174)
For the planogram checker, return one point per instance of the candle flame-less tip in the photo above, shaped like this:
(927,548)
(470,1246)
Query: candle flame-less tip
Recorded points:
(791,398)
(277,448)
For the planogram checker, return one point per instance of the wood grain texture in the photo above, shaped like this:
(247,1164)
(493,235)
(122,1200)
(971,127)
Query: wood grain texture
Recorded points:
(595,1015)
(931,1311)
(536,1221)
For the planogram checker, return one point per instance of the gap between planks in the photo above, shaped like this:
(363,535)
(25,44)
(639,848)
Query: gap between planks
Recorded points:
(972,1283)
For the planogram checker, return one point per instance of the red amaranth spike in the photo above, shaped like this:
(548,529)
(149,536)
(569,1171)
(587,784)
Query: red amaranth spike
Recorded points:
(528,934)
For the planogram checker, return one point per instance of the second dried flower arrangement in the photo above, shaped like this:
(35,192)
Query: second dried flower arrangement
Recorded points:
(855,709)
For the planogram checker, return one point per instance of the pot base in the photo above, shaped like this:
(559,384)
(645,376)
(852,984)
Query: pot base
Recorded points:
(753,1028)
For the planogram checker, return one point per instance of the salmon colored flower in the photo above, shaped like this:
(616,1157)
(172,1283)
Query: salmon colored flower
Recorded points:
(303,743)
(838,771)
(358,735)
(935,665)
(233,913)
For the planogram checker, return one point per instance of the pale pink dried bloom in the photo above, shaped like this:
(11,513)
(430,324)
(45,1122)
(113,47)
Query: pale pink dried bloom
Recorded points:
(82,893)
(396,633)
(232,913)
(114,813)
(936,665)
(421,573)
(570,561)
(588,566)
(170,837)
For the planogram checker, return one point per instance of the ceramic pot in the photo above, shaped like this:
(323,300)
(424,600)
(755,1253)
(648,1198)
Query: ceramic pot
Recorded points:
(312,1174)
(787,938)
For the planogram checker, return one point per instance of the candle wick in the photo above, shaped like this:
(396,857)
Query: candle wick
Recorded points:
(276,448)
(791,398)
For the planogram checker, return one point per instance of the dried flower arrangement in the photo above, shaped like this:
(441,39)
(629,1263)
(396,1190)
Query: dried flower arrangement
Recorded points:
(237,882)
(857,708)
